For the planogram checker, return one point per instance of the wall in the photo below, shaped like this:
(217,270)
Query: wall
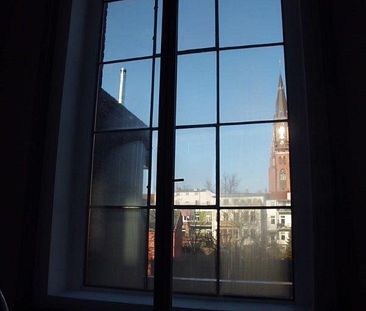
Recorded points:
(344,36)
(26,47)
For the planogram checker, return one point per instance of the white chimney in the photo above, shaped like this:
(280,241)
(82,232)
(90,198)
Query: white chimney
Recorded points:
(122,83)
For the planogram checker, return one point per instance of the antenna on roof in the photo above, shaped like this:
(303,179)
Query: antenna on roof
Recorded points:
(122,84)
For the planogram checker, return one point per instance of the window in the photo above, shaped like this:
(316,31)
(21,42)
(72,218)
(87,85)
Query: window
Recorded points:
(252,216)
(223,133)
(253,233)
(223,140)
(283,179)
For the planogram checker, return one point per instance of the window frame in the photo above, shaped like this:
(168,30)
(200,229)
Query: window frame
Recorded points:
(56,262)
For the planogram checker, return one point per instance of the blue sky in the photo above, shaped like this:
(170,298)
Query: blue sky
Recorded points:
(248,81)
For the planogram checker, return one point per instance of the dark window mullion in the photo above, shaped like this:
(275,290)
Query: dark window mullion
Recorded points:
(165,158)
(126,60)
(121,130)
(203,125)
(217,45)
(229,48)
(255,207)
(119,206)
(251,46)
(253,122)
(107,1)
(211,207)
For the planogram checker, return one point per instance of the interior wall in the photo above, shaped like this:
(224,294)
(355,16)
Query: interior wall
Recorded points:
(26,47)
(344,37)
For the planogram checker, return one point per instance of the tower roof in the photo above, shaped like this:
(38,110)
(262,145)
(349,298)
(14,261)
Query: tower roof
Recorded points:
(281,102)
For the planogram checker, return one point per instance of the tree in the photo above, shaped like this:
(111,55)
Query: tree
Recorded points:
(209,186)
(229,183)
(200,241)
(183,187)
(288,251)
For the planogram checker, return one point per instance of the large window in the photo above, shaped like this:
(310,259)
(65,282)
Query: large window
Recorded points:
(183,184)
(231,121)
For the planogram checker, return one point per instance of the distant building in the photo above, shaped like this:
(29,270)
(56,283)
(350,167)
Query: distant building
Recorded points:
(119,159)
(194,197)
(247,226)
(118,170)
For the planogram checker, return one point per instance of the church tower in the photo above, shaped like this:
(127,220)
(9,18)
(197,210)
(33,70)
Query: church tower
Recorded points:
(279,168)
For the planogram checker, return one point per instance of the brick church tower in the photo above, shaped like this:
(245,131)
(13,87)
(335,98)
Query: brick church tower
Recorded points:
(279,168)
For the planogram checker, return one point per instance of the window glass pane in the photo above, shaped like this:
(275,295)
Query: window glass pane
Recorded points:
(154,155)
(159,25)
(125,96)
(116,247)
(129,29)
(195,163)
(151,249)
(120,160)
(244,22)
(249,83)
(255,255)
(196,89)
(156,93)
(254,165)
(196,27)
(194,251)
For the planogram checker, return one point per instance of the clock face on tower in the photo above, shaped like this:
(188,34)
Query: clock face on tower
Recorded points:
(281,132)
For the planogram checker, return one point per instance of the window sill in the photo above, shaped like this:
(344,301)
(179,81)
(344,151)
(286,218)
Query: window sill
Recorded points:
(189,303)
(144,301)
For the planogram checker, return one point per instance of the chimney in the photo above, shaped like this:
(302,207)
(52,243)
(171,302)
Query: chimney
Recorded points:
(122,83)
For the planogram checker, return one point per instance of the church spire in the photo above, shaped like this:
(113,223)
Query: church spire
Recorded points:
(281,103)
(279,168)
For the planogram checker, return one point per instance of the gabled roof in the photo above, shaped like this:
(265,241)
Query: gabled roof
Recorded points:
(112,115)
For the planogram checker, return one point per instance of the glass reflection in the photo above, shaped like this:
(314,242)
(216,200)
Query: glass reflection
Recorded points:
(256,252)
(119,165)
(116,247)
